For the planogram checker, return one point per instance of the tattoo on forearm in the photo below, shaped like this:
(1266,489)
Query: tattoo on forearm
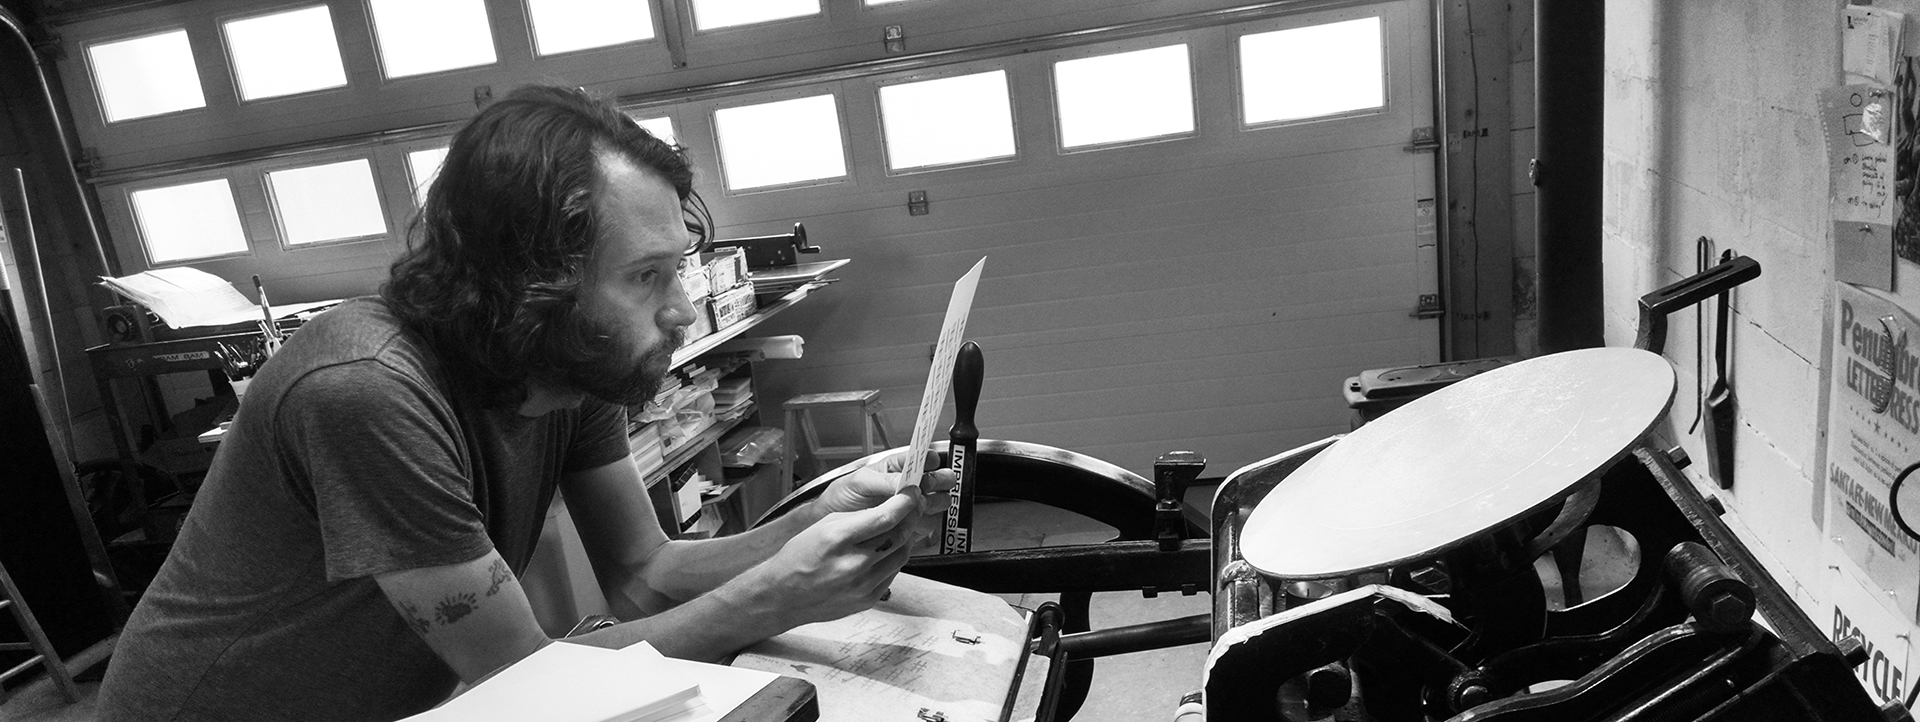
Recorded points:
(500,576)
(412,614)
(455,606)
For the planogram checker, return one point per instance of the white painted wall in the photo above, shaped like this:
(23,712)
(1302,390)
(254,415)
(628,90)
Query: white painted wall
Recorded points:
(1712,129)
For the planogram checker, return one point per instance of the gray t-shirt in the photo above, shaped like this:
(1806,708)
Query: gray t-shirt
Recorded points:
(350,457)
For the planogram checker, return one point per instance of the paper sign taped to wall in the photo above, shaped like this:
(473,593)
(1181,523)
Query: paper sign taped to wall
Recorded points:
(934,397)
(1857,121)
(1854,612)
(1869,43)
(1873,431)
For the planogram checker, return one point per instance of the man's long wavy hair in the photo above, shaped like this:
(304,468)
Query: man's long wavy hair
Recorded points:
(491,278)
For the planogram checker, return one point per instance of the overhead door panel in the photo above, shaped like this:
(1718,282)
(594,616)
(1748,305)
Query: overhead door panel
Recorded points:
(1207,292)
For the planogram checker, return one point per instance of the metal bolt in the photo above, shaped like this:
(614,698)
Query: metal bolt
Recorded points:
(1729,611)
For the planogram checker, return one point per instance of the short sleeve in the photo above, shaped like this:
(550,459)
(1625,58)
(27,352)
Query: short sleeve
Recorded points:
(380,453)
(601,438)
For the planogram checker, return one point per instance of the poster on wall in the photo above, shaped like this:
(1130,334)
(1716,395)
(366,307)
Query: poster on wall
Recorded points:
(1873,431)
(1853,613)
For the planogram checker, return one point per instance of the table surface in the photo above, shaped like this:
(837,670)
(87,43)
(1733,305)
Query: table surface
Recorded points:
(1458,462)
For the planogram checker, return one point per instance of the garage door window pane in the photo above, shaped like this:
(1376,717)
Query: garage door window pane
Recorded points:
(1312,71)
(780,143)
(947,120)
(661,128)
(712,14)
(326,202)
(285,53)
(146,76)
(565,25)
(1124,97)
(184,222)
(426,36)
(422,167)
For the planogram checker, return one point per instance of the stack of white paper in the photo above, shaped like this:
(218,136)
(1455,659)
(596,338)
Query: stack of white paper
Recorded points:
(566,682)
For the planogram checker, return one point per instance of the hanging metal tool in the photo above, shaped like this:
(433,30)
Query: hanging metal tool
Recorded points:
(1720,402)
(969,367)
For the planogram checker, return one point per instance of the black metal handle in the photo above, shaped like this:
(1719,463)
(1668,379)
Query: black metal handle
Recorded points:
(969,372)
(1655,306)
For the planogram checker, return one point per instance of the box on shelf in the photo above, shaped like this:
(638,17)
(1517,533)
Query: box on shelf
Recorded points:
(695,280)
(732,305)
(702,324)
(726,268)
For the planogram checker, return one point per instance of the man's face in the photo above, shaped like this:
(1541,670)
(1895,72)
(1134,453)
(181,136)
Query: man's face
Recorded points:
(632,295)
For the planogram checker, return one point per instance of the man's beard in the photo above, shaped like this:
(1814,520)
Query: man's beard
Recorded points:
(615,380)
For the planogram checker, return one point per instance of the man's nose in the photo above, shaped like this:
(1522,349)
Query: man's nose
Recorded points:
(679,311)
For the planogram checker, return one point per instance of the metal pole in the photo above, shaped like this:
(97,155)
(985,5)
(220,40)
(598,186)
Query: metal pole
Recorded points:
(62,427)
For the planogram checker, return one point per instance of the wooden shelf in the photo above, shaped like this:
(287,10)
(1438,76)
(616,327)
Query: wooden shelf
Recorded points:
(709,342)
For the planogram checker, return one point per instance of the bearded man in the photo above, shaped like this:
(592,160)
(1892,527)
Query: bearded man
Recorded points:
(353,552)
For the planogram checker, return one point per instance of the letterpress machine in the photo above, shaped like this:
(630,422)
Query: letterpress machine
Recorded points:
(1427,565)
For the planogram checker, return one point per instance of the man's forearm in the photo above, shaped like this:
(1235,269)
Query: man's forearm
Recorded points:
(706,629)
(682,570)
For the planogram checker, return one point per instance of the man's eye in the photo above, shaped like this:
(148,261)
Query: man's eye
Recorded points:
(646,277)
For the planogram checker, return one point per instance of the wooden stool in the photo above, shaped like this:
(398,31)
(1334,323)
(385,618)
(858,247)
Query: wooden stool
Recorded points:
(36,643)
(801,428)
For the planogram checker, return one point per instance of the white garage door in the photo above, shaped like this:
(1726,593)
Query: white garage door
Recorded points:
(1206,289)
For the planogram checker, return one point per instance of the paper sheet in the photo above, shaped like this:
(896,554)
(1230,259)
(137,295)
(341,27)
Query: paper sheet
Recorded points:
(1857,121)
(930,646)
(934,397)
(1869,43)
(185,297)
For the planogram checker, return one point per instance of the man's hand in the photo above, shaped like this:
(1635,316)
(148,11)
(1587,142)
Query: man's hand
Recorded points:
(872,485)
(838,566)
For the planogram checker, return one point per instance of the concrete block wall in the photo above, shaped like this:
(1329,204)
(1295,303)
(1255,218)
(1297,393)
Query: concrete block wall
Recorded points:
(1712,129)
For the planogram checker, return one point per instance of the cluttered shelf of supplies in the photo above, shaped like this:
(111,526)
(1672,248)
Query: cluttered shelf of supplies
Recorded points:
(710,467)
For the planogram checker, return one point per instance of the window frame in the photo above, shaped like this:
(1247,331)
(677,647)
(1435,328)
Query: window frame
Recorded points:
(233,64)
(261,171)
(100,94)
(1181,38)
(691,15)
(1013,115)
(139,228)
(635,113)
(1238,74)
(404,153)
(656,14)
(380,55)
(834,90)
